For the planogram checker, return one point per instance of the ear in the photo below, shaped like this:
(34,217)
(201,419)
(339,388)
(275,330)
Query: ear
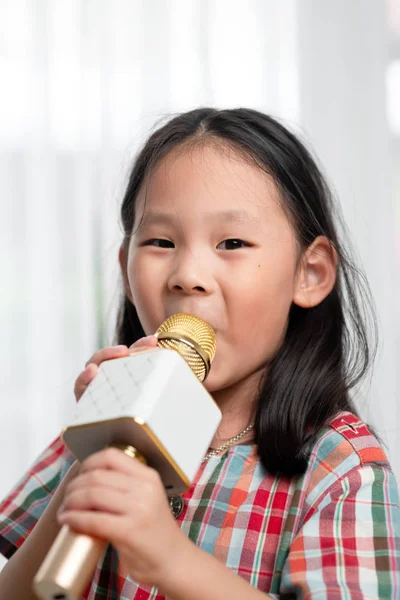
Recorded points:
(317,273)
(123,260)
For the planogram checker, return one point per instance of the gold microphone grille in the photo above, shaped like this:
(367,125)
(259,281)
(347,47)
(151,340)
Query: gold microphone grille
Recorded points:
(193,338)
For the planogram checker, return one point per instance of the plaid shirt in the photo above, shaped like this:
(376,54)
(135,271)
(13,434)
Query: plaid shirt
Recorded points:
(333,532)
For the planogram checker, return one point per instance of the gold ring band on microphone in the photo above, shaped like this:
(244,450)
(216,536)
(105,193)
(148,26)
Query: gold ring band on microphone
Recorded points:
(170,335)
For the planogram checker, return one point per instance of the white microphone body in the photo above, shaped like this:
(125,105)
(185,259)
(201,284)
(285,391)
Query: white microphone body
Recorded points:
(150,400)
(153,401)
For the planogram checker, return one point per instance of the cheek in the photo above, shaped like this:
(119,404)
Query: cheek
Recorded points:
(264,297)
(258,312)
(145,283)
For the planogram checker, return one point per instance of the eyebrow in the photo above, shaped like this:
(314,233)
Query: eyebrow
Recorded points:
(233,216)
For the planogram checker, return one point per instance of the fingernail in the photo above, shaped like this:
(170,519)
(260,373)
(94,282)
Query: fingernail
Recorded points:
(122,347)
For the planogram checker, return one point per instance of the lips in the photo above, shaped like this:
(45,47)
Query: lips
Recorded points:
(195,313)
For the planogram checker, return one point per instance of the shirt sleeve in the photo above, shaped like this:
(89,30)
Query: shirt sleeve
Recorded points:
(349,543)
(23,507)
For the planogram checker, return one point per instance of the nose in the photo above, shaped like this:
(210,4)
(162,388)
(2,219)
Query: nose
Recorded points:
(189,275)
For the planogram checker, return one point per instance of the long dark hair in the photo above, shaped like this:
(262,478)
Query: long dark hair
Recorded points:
(327,348)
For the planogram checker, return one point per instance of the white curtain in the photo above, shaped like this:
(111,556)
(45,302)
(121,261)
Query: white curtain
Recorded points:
(82,82)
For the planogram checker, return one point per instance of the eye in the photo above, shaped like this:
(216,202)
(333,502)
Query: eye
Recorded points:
(159,243)
(233,244)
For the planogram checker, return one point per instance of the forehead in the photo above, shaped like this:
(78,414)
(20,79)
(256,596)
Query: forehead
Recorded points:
(208,178)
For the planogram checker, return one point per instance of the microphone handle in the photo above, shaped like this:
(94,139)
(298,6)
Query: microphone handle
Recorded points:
(68,566)
(71,560)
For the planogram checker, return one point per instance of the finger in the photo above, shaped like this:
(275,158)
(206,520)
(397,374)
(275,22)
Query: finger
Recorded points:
(95,498)
(84,379)
(116,460)
(102,525)
(149,341)
(108,353)
(104,354)
(101,478)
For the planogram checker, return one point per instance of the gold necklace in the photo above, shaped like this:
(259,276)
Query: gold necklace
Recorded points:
(176,502)
(227,444)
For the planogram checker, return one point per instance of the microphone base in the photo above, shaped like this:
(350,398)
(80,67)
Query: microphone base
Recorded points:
(68,566)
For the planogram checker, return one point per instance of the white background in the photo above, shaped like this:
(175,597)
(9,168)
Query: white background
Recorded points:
(83,81)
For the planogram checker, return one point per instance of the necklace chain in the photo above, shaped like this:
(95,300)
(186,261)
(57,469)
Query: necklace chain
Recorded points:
(227,444)
(176,502)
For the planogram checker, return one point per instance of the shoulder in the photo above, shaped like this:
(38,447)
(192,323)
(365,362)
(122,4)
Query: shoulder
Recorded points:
(346,435)
(348,514)
(345,445)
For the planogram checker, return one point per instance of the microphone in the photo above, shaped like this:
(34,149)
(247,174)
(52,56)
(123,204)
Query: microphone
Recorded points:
(150,405)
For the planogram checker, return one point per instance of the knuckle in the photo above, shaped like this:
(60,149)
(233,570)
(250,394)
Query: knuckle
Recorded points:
(141,342)
(137,344)
(105,354)
(97,357)
(95,477)
(154,476)
(111,455)
(88,464)
(71,500)
(148,492)
(92,359)
(89,376)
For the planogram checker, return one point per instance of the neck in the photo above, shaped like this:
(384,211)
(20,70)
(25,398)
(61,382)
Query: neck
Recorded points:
(238,406)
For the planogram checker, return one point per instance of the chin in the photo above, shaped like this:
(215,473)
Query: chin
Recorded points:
(213,383)
(217,381)
(211,387)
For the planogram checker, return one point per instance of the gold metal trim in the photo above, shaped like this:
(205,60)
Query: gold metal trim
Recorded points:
(129,451)
(149,432)
(162,449)
(170,335)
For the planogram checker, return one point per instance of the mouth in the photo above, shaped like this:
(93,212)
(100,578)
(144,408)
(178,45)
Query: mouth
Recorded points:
(197,314)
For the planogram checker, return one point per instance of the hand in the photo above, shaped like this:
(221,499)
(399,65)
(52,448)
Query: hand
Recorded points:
(119,499)
(107,354)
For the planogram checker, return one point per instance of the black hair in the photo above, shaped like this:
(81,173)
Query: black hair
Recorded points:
(327,349)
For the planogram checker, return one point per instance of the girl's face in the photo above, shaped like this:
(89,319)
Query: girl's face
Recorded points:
(212,240)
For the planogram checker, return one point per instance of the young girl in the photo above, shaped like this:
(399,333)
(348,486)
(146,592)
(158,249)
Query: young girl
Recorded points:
(227,217)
